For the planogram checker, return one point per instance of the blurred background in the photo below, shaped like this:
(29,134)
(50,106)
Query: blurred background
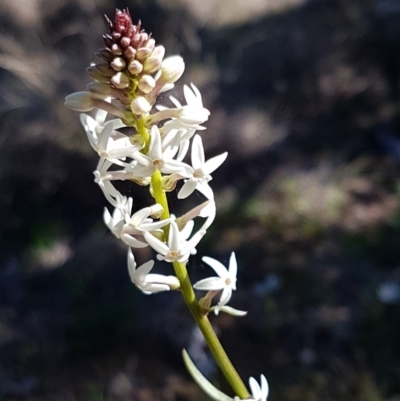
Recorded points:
(304,94)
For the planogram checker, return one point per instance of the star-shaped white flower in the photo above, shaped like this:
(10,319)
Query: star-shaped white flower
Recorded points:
(226,280)
(158,158)
(178,248)
(102,177)
(189,116)
(259,393)
(149,283)
(200,174)
(137,224)
(104,138)
(116,222)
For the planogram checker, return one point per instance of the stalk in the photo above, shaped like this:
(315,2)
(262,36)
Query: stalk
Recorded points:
(187,291)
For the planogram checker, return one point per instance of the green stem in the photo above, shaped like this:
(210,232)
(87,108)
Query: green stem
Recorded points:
(187,291)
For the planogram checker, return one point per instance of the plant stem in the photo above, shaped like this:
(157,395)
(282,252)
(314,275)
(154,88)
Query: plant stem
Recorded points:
(188,294)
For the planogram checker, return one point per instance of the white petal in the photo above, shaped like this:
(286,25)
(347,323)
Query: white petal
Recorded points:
(131,264)
(142,159)
(233,265)
(105,136)
(187,189)
(154,288)
(197,153)
(137,219)
(183,149)
(212,164)
(190,97)
(225,296)
(255,389)
(155,243)
(205,189)
(210,284)
(175,102)
(155,150)
(132,241)
(264,387)
(187,230)
(155,225)
(144,270)
(101,116)
(174,238)
(218,267)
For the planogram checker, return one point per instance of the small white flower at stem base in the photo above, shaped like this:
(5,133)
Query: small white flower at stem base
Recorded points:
(226,280)
(149,283)
(259,393)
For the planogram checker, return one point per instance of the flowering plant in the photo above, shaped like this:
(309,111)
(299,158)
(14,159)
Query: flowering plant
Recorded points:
(128,81)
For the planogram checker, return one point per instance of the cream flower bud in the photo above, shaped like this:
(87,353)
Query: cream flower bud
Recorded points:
(140,106)
(130,53)
(125,42)
(135,67)
(116,50)
(118,64)
(143,53)
(146,83)
(172,69)
(120,80)
(153,62)
(156,211)
(80,101)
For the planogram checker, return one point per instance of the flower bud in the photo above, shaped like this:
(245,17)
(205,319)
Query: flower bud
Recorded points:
(105,54)
(120,80)
(143,53)
(136,139)
(104,69)
(135,67)
(118,64)
(96,75)
(130,53)
(79,101)
(140,106)
(156,211)
(116,50)
(146,83)
(153,62)
(99,90)
(172,69)
(125,42)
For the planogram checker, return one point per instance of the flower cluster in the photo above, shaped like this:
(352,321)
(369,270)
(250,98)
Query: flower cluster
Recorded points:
(129,78)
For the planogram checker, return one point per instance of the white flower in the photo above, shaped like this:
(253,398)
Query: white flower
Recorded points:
(170,129)
(158,158)
(102,177)
(206,210)
(259,393)
(116,222)
(149,283)
(137,224)
(225,282)
(189,116)
(178,248)
(103,138)
(200,174)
